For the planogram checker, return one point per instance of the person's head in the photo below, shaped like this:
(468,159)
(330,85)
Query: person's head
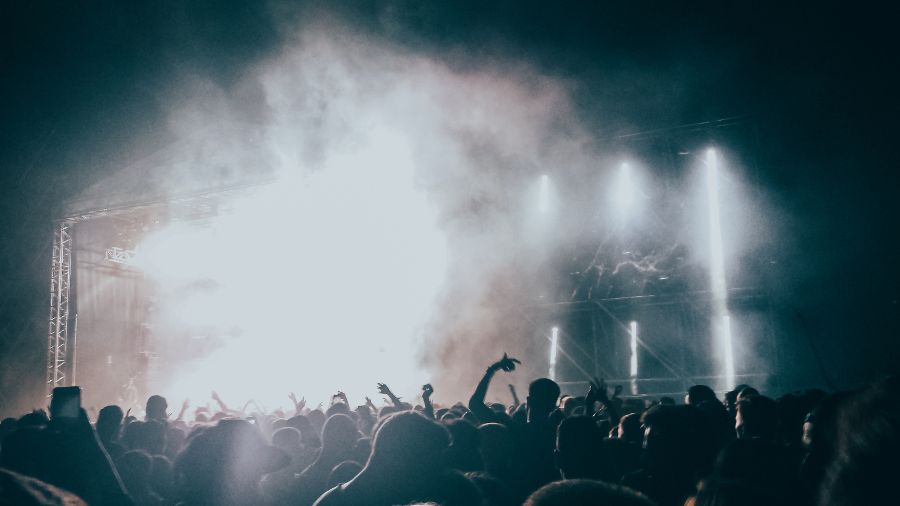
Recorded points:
(760,464)
(757,417)
(543,394)
(699,393)
(134,468)
(868,443)
(109,422)
(497,447)
(678,440)
(463,453)
(716,492)
(149,436)
(579,447)
(747,393)
(338,408)
(339,435)
(156,408)
(585,493)
(288,439)
(571,405)
(731,397)
(409,441)
(224,463)
(309,434)
(37,418)
(630,428)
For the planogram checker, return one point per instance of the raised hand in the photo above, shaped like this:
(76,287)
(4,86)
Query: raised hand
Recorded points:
(427,390)
(506,363)
(598,390)
(382,388)
(184,406)
(515,396)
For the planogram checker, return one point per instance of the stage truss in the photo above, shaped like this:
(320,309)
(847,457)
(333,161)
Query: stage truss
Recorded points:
(61,350)
(60,281)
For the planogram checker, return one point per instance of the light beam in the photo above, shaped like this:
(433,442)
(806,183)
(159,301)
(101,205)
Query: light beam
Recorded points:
(554,343)
(722,321)
(544,195)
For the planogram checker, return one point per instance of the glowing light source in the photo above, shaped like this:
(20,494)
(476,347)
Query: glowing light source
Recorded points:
(722,321)
(626,188)
(544,195)
(554,343)
(633,334)
(625,195)
(633,365)
(282,267)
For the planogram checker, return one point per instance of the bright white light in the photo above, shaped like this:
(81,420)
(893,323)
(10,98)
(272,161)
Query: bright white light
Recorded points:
(722,323)
(625,194)
(554,343)
(544,195)
(633,335)
(330,278)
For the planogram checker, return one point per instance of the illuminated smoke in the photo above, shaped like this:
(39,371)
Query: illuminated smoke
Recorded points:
(389,248)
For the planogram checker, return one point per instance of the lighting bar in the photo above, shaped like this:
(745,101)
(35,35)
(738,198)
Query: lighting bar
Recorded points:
(554,343)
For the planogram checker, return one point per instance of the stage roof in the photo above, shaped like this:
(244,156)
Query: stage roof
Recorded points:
(194,167)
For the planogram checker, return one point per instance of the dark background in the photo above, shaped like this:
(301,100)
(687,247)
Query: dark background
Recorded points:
(84,88)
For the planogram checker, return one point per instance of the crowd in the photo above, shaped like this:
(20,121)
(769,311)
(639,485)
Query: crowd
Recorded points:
(807,448)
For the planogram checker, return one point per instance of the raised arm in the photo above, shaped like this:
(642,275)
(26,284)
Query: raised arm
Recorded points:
(383,389)
(184,406)
(515,396)
(222,407)
(298,405)
(598,393)
(427,390)
(476,402)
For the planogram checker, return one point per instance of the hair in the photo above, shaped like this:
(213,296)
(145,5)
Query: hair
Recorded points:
(759,417)
(700,393)
(586,493)
(287,437)
(579,444)
(864,469)
(543,393)
(630,426)
(409,440)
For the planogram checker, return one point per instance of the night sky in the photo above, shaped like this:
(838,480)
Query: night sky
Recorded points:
(86,86)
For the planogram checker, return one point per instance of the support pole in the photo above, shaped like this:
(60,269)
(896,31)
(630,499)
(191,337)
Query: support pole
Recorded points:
(60,276)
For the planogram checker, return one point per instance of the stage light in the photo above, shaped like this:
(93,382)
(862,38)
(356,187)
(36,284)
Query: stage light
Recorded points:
(625,193)
(544,195)
(554,343)
(633,335)
(719,289)
(330,278)
(633,369)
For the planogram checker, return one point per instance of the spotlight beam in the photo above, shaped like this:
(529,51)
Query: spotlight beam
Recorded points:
(544,195)
(722,320)
(554,344)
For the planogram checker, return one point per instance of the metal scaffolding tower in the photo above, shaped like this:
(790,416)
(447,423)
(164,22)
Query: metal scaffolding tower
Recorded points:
(60,278)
